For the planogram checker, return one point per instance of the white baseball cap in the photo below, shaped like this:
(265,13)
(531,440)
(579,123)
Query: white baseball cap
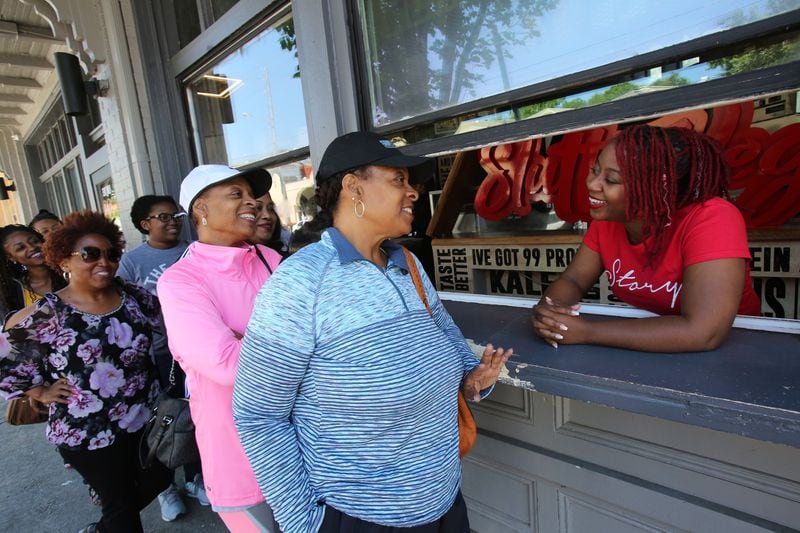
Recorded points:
(206,176)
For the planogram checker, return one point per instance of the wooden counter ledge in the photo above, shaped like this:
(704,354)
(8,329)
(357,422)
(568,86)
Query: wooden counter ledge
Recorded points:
(750,386)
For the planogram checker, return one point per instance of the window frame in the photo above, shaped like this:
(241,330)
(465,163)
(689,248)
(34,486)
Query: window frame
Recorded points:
(231,27)
(237,41)
(713,45)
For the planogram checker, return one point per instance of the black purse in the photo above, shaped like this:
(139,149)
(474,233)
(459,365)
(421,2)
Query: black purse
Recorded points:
(169,434)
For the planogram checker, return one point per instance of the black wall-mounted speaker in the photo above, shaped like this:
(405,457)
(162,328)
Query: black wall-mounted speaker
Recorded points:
(5,188)
(73,88)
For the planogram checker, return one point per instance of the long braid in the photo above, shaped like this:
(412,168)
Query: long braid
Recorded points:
(7,284)
(666,169)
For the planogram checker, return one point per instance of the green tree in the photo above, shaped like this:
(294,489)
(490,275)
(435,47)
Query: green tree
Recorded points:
(762,56)
(425,54)
(612,93)
(673,80)
(531,109)
(288,41)
(759,57)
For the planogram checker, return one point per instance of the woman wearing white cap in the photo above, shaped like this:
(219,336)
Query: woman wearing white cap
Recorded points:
(207,297)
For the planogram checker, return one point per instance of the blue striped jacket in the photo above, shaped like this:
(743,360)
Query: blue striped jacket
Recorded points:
(345,393)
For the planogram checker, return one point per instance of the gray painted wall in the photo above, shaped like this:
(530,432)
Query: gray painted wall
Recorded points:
(545,463)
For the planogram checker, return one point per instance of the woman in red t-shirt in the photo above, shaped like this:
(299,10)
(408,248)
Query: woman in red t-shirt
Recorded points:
(668,242)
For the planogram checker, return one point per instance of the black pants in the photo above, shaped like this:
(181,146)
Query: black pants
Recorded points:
(191,469)
(124,488)
(454,521)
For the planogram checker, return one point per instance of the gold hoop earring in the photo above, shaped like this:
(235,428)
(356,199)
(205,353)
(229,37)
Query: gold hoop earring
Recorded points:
(359,202)
(203,221)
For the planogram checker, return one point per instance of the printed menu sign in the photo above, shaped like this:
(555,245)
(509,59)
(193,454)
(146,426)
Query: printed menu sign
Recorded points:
(527,270)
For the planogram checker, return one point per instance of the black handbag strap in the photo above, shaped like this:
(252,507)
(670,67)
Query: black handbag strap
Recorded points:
(261,256)
(171,375)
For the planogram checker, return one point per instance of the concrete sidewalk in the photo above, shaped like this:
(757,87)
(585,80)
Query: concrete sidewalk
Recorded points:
(38,494)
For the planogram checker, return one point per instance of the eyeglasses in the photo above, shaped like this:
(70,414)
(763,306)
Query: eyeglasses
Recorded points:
(166,217)
(92,254)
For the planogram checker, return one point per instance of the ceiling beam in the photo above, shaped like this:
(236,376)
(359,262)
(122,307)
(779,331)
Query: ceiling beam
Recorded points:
(9,81)
(8,122)
(10,29)
(11,111)
(18,60)
(20,98)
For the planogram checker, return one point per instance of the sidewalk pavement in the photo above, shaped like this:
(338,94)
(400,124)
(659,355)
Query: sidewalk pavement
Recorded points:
(38,494)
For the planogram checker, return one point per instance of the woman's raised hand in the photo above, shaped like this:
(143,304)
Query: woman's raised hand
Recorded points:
(485,374)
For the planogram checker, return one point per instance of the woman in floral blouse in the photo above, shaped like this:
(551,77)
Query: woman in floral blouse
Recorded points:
(85,352)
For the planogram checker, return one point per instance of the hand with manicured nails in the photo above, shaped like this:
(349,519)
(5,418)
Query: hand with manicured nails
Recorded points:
(557,323)
(485,374)
(59,392)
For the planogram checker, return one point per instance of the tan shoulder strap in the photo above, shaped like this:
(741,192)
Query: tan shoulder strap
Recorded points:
(414,273)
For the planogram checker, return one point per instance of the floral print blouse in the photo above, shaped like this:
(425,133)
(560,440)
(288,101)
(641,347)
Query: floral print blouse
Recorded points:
(105,357)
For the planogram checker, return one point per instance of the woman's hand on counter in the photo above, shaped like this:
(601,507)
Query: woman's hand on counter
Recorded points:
(557,323)
(485,374)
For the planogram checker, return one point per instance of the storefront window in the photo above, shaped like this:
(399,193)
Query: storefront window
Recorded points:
(248,107)
(65,189)
(660,78)
(108,200)
(423,56)
(55,161)
(187,19)
(220,7)
(74,185)
(67,133)
(60,190)
(292,185)
(52,197)
(529,204)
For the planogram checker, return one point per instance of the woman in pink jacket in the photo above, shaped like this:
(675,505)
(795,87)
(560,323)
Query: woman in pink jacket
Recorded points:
(206,298)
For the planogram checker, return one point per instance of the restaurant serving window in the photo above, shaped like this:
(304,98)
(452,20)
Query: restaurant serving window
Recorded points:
(423,58)
(497,233)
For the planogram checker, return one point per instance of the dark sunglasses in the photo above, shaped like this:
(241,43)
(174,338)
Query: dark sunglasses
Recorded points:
(166,217)
(91,254)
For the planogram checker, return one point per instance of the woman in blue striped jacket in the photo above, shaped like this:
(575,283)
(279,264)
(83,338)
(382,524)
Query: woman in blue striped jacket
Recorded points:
(345,398)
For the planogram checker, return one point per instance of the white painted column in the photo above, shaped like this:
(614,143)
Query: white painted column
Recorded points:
(20,206)
(326,71)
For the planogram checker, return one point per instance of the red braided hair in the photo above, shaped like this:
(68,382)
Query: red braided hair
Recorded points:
(666,169)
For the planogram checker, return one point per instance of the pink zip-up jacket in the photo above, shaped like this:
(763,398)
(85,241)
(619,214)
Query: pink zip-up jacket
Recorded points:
(206,298)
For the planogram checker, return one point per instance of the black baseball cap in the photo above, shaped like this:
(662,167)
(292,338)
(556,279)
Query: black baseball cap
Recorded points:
(362,148)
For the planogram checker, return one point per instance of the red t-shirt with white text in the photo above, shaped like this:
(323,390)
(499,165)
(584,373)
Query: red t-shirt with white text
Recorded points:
(699,232)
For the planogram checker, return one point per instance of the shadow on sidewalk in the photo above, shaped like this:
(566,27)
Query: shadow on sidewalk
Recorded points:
(38,494)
